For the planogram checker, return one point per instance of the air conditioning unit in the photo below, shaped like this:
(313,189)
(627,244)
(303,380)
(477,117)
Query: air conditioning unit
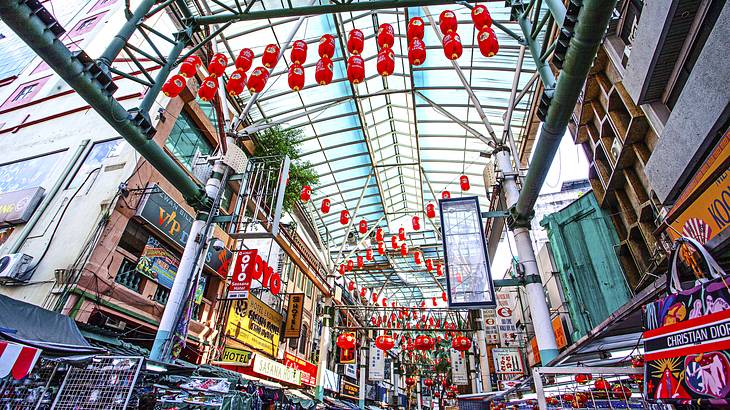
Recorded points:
(14,268)
(115,323)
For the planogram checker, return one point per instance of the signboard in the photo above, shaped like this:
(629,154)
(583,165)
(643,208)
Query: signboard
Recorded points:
(18,206)
(158,263)
(238,356)
(376,363)
(276,370)
(347,356)
(255,324)
(468,278)
(508,361)
(241,276)
(331,380)
(351,370)
(533,353)
(294,311)
(350,390)
(491,332)
(169,218)
(508,384)
(307,369)
(459,371)
(505,325)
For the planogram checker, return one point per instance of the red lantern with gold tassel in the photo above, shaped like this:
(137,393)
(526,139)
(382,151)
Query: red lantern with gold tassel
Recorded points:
(363,292)
(236,83)
(464,183)
(379,235)
(384,342)
(429,265)
(415,29)
(351,286)
(355,42)
(323,71)
(375,297)
(306,194)
(346,341)
(417,257)
(439,270)
(189,66)
(386,62)
(325,208)
(369,254)
(381,248)
(416,52)
(481,17)
(299,52)
(217,65)
(356,69)
(349,265)
(452,46)
(410,381)
(433,301)
(448,22)
(430,211)
(416,222)
(326,47)
(344,217)
(394,242)
(444,297)
(271,55)
(360,262)
(403,250)
(445,195)
(244,61)
(174,85)
(461,343)
(386,36)
(208,88)
(488,43)
(296,77)
(257,80)
(402,233)
(342,269)
(363,226)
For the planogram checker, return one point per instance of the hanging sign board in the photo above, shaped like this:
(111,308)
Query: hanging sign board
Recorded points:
(331,380)
(468,276)
(459,372)
(255,324)
(505,324)
(294,311)
(276,370)
(490,327)
(376,363)
(350,390)
(308,370)
(351,370)
(241,275)
(508,361)
(17,207)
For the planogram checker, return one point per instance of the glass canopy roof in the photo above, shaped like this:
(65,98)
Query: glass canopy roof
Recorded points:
(383,140)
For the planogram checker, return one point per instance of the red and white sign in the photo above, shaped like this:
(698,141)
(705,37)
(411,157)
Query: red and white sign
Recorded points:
(249,266)
(508,361)
(17,359)
(309,370)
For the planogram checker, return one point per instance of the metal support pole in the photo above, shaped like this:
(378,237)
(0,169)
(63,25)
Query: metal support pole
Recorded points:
(539,389)
(352,219)
(507,133)
(153,92)
(419,397)
(483,354)
(471,356)
(363,365)
(535,293)
(324,345)
(125,33)
(543,68)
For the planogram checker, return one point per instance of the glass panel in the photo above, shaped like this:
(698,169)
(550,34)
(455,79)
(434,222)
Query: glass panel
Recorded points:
(186,141)
(98,154)
(29,173)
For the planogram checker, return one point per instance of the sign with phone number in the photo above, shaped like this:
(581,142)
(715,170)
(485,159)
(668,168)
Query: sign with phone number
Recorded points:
(508,361)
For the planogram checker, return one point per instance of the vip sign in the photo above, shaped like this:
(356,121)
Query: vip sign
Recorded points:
(249,266)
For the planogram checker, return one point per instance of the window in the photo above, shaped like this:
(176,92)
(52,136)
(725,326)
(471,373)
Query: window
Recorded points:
(300,279)
(102,4)
(303,340)
(309,288)
(186,141)
(24,93)
(28,173)
(85,25)
(98,154)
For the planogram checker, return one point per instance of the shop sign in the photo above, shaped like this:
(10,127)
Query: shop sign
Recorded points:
(350,390)
(561,338)
(459,372)
(169,218)
(491,332)
(508,361)
(158,263)
(351,370)
(17,207)
(533,352)
(249,266)
(255,324)
(508,384)
(331,380)
(376,363)
(307,369)
(239,356)
(294,311)
(276,370)
(505,324)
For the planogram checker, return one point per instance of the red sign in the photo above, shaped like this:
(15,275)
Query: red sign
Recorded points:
(309,370)
(241,278)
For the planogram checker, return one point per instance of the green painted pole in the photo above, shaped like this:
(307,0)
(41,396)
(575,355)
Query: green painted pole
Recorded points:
(125,33)
(154,91)
(534,46)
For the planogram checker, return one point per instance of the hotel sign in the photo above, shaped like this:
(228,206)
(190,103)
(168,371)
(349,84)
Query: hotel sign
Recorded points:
(238,356)
(276,370)
(293,325)
(255,324)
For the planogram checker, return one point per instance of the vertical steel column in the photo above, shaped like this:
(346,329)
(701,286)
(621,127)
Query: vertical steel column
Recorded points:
(324,345)
(483,354)
(363,365)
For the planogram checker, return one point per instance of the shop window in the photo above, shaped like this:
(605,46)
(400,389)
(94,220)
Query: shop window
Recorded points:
(96,157)
(28,173)
(128,276)
(186,141)
(24,93)
(303,340)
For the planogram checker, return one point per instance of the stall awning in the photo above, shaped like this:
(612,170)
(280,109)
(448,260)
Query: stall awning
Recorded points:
(17,359)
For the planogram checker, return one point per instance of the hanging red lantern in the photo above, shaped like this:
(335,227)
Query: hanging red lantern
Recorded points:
(363,226)
(461,343)
(450,394)
(346,341)
(351,286)
(416,222)
(464,183)
(404,250)
(621,392)
(427,382)
(325,206)
(384,342)
(417,257)
(174,85)
(236,82)
(271,55)
(481,17)
(379,235)
(445,195)
(326,46)
(369,254)
(208,88)
(257,80)
(448,22)
(386,36)
(342,269)
(436,394)
(637,361)
(429,265)
(356,69)
(601,384)
(402,233)
(394,242)
(381,248)
(444,297)
(433,301)
(417,52)
(306,194)
(217,65)
(323,71)
(360,262)
(452,46)
(375,297)
(415,28)
(410,381)
(299,52)
(296,77)
(355,42)
(583,378)
(363,291)
(189,66)
(350,265)
(384,302)
(427,342)
(430,211)
(439,270)
(244,61)
(568,397)
(386,62)
(488,42)
(344,217)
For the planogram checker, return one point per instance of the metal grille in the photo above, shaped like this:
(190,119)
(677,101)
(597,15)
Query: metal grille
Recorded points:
(30,393)
(105,383)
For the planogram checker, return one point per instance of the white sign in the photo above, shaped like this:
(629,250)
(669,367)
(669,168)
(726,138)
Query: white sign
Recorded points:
(505,324)
(490,327)
(508,361)
(351,370)
(508,384)
(276,370)
(331,380)
(376,363)
(459,372)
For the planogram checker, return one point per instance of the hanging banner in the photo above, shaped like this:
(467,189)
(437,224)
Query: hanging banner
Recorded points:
(255,324)
(241,275)
(508,361)
(468,276)
(459,370)
(491,331)
(158,263)
(308,370)
(294,311)
(376,363)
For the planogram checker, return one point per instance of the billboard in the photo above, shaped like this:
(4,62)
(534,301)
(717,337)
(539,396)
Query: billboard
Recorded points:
(468,278)
(294,310)
(255,324)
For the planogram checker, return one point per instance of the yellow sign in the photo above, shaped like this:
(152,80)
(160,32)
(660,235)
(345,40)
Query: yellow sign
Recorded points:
(293,325)
(350,390)
(255,324)
(233,355)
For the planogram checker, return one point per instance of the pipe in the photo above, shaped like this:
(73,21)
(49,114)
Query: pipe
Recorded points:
(49,196)
(592,23)
(30,28)
(125,33)
(154,91)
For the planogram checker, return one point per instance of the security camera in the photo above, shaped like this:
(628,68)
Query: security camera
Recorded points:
(218,245)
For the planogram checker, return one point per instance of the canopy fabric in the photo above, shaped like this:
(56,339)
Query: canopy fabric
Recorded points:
(17,359)
(34,326)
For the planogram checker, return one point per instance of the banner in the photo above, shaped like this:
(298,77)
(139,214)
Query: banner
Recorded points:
(459,370)
(508,361)
(294,311)
(308,370)
(255,324)
(158,263)
(241,277)
(376,363)
(468,277)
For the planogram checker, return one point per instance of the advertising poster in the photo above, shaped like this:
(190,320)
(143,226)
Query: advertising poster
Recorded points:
(468,276)
(308,370)
(459,371)
(241,277)
(508,361)
(158,263)
(508,333)
(255,324)
(376,363)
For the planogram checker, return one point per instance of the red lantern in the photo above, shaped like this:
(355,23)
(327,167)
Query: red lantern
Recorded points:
(415,29)
(356,69)
(217,65)
(379,235)
(346,341)
(381,248)
(417,257)
(363,291)
(350,265)
(447,22)
(488,43)
(430,211)
(323,71)
(360,262)
(444,297)
(464,183)
(385,342)
(481,17)
(417,52)
(439,270)
(351,286)
(344,217)
(601,384)
(306,194)
(325,206)
(386,36)
(296,77)
(244,61)
(427,343)
(299,52)
(637,361)
(461,343)
(450,394)
(433,300)
(386,62)
(568,397)
(620,391)
(326,46)
(452,46)
(208,88)
(174,85)
(189,66)
(427,382)
(436,394)
(402,234)
(342,269)
(363,226)
(410,381)
(375,297)
(429,265)
(403,250)
(394,242)
(416,221)
(445,195)
(355,42)
(257,80)
(384,302)
(583,378)
(271,55)
(236,82)
(369,254)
